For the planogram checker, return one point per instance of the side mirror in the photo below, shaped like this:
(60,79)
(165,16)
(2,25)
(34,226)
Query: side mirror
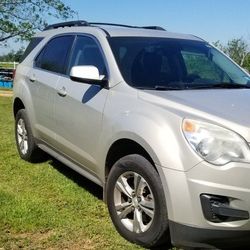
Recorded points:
(87,74)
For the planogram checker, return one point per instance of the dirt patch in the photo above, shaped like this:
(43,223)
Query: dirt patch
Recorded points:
(45,240)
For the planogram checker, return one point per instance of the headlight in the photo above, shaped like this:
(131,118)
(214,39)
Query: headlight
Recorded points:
(215,144)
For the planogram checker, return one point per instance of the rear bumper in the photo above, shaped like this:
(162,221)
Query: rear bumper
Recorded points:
(183,235)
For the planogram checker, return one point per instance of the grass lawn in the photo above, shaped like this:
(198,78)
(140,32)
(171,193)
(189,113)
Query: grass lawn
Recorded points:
(6,65)
(47,205)
(6,89)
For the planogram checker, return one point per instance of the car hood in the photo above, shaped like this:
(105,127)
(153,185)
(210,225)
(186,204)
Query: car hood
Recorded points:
(227,107)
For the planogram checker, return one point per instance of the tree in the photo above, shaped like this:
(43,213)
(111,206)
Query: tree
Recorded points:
(237,49)
(220,46)
(12,56)
(21,18)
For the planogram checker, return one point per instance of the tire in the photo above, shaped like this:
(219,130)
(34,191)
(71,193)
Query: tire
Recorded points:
(136,202)
(25,141)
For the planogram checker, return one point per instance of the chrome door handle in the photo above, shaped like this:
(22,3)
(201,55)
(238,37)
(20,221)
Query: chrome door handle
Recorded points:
(62,92)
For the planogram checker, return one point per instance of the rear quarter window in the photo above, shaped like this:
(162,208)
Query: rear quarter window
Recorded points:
(33,43)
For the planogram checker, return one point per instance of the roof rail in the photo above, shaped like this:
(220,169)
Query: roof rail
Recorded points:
(114,24)
(67,24)
(85,23)
(130,26)
(153,28)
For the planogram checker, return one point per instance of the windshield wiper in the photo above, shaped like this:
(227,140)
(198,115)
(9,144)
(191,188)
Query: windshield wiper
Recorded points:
(160,87)
(231,85)
(221,85)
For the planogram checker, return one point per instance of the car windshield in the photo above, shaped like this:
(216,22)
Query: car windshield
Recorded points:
(175,64)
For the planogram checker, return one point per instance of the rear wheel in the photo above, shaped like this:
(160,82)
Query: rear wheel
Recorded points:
(25,141)
(136,202)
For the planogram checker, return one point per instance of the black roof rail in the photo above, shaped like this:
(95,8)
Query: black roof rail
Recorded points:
(114,24)
(153,28)
(67,24)
(85,23)
(130,26)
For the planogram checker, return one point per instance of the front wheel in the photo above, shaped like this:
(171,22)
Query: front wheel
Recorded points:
(136,202)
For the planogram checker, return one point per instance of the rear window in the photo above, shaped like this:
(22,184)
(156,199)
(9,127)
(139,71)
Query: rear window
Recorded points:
(33,43)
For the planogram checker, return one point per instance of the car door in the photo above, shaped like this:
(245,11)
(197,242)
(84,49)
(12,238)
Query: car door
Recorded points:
(49,65)
(79,106)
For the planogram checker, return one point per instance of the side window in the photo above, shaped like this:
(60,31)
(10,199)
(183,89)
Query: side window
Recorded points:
(87,52)
(54,55)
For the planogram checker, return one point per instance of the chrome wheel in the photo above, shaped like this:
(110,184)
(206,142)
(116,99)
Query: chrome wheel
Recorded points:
(22,137)
(134,202)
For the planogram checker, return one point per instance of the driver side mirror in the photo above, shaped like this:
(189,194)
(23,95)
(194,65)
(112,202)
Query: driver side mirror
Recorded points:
(88,74)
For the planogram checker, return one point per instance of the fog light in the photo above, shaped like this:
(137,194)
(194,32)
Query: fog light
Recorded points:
(217,209)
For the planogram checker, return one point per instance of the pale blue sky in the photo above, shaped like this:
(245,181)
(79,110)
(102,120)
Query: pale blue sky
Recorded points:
(210,19)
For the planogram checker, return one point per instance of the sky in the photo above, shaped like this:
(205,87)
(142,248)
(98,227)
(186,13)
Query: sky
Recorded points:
(211,20)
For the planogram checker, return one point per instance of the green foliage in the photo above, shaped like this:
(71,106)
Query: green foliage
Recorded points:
(20,19)
(238,50)
(246,63)
(12,56)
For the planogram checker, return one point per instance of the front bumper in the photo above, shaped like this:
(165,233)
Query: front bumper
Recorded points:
(183,235)
(183,191)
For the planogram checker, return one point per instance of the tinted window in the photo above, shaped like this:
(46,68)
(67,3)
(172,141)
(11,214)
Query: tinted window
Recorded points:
(55,54)
(33,43)
(87,52)
(163,63)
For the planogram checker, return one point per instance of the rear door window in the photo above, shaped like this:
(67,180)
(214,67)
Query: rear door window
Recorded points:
(55,54)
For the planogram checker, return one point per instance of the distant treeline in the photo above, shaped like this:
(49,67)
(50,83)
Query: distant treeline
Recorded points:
(12,56)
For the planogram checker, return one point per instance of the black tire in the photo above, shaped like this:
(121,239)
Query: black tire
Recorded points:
(31,152)
(157,232)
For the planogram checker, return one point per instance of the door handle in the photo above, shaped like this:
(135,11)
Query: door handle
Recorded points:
(32,78)
(62,92)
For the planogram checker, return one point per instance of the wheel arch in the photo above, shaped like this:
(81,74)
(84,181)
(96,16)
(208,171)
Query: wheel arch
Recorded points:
(17,105)
(121,148)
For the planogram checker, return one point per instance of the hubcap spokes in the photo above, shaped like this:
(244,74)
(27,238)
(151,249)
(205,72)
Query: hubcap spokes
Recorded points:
(134,202)
(22,137)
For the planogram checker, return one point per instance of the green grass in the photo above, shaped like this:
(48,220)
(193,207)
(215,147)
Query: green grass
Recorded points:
(6,65)
(6,89)
(47,205)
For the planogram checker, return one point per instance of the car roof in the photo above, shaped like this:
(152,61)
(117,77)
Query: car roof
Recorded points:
(142,32)
(113,30)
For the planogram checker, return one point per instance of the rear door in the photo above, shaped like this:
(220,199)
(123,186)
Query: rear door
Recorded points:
(49,66)
(79,106)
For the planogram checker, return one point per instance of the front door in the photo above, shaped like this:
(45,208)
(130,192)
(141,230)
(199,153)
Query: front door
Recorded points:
(79,107)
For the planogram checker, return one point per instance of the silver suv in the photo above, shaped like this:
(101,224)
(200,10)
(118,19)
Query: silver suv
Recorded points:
(160,120)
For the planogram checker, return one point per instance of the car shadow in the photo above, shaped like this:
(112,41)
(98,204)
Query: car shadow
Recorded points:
(91,92)
(80,180)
